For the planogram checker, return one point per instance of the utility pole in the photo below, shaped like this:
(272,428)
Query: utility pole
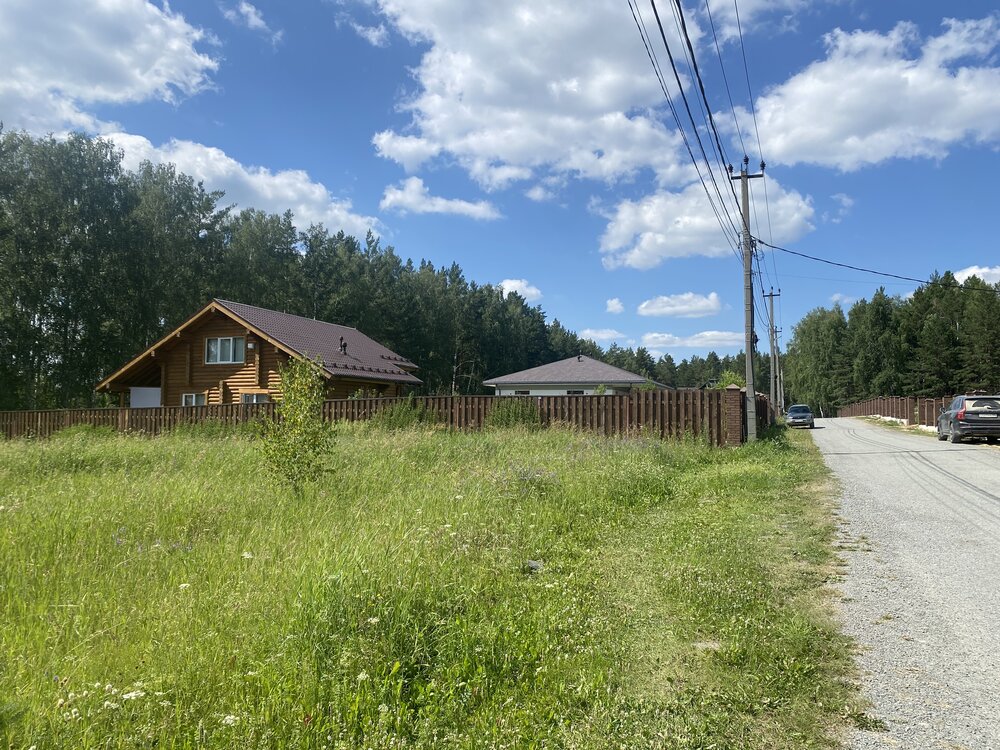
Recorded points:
(749,347)
(773,338)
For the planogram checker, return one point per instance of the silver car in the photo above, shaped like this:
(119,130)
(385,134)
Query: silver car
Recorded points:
(800,415)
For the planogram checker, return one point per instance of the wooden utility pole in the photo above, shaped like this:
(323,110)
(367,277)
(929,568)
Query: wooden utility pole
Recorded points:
(749,347)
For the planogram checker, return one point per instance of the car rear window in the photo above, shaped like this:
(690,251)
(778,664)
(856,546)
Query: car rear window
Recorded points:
(991,404)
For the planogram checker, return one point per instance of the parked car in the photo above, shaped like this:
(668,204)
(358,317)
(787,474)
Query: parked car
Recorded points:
(970,416)
(800,415)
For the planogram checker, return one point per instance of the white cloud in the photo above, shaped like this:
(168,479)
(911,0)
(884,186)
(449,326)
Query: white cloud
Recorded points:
(255,187)
(376,36)
(686,305)
(615,306)
(130,51)
(703,340)
(882,96)
(528,291)
(601,334)
(60,59)
(845,203)
(989,274)
(413,196)
(539,193)
(842,299)
(245,14)
(642,234)
(546,110)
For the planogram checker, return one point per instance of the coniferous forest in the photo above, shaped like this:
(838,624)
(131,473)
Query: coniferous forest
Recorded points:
(98,262)
(942,340)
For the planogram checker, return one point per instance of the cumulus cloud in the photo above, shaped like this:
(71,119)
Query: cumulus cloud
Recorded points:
(544,111)
(703,340)
(245,14)
(615,306)
(528,291)
(133,51)
(61,60)
(989,274)
(539,193)
(686,305)
(601,334)
(413,196)
(643,233)
(842,299)
(255,187)
(882,96)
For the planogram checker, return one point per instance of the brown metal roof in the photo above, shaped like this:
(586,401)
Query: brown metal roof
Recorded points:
(365,358)
(575,370)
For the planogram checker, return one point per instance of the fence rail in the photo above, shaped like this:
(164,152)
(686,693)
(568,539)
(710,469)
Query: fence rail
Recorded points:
(717,415)
(912,410)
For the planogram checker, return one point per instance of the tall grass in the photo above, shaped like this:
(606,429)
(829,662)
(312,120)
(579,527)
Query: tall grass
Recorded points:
(165,593)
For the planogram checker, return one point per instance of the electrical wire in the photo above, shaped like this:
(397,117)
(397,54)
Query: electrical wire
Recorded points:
(725,78)
(886,274)
(687,106)
(705,104)
(640,25)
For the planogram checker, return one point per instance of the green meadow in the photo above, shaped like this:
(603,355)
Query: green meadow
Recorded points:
(507,589)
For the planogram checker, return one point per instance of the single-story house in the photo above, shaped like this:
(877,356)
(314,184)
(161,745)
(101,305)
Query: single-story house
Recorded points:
(576,376)
(228,352)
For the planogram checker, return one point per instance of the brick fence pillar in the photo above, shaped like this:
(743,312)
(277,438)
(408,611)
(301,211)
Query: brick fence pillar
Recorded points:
(732,415)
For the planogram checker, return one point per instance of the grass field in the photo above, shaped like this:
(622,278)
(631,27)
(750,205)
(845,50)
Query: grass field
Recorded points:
(165,593)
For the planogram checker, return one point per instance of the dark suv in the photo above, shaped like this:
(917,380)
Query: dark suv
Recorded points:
(970,416)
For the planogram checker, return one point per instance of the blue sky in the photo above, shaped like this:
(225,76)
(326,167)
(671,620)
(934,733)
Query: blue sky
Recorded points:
(530,142)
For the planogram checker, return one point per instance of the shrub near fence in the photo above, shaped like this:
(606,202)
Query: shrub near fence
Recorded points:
(716,415)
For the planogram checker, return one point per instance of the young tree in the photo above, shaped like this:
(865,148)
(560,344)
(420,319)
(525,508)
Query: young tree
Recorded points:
(293,445)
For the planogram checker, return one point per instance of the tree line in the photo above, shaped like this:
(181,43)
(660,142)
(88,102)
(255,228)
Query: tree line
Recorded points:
(100,261)
(942,340)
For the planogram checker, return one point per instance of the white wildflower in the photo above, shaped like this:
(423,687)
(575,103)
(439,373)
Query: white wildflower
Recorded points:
(165,703)
(362,676)
(248,556)
(184,586)
(60,703)
(228,720)
(373,621)
(133,695)
(110,706)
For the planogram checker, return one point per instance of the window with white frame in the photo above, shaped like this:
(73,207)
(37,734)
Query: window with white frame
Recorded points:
(192,399)
(254,398)
(224,350)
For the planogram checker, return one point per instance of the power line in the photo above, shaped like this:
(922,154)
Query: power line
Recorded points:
(725,78)
(927,282)
(687,107)
(756,130)
(640,25)
(707,107)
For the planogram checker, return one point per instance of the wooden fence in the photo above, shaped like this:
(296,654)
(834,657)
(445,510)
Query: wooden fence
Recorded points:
(922,411)
(717,415)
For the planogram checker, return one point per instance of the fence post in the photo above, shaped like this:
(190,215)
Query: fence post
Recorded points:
(732,416)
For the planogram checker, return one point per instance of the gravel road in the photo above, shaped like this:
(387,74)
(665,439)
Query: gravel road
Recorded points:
(921,539)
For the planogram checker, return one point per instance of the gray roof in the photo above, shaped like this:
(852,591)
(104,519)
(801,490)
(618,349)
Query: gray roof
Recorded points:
(575,370)
(365,358)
